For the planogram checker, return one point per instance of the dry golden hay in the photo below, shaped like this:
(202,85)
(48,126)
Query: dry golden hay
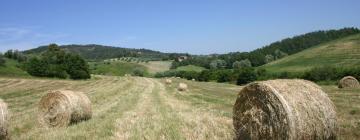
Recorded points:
(284,109)
(168,81)
(192,79)
(182,87)
(4,118)
(348,82)
(63,107)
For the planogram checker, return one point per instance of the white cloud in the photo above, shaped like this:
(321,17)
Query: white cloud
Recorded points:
(25,38)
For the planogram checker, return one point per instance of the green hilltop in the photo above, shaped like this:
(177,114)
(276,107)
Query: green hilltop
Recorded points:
(344,52)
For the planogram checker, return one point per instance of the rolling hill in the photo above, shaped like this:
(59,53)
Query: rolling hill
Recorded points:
(95,52)
(343,52)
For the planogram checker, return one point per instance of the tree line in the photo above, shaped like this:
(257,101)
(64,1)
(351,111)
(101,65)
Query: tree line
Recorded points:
(100,52)
(249,74)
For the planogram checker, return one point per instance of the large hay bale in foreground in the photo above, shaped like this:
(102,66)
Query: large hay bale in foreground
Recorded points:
(284,109)
(349,82)
(4,118)
(63,107)
(182,87)
(168,81)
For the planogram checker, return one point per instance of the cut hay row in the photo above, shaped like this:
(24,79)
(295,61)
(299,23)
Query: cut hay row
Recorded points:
(196,123)
(204,112)
(4,116)
(284,109)
(349,82)
(61,108)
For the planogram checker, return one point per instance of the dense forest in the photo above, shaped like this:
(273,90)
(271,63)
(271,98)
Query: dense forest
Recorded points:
(267,53)
(100,52)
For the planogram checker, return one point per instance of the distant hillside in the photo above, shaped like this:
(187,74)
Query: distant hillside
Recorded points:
(273,51)
(93,52)
(343,52)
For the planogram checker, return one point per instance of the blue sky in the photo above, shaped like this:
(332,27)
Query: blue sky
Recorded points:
(194,26)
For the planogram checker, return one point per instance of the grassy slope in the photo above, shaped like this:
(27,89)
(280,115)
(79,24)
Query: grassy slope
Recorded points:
(11,69)
(190,68)
(145,108)
(115,68)
(342,52)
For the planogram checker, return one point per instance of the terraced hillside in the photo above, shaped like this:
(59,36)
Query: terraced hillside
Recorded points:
(343,53)
(145,108)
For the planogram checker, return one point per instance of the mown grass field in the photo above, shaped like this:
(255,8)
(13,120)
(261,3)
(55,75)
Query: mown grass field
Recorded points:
(190,68)
(146,108)
(116,68)
(157,66)
(343,52)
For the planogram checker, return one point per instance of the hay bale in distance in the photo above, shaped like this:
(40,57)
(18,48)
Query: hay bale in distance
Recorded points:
(63,107)
(182,87)
(349,82)
(284,109)
(168,81)
(4,118)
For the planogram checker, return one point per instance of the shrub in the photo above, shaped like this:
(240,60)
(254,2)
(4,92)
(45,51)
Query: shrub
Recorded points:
(224,76)
(77,67)
(2,60)
(245,75)
(138,72)
(204,76)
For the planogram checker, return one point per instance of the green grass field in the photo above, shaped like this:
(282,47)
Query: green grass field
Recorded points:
(190,68)
(146,108)
(117,68)
(11,69)
(342,53)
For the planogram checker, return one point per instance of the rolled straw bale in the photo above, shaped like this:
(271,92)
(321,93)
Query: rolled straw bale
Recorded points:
(284,109)
(168,81)
(182,87)
(63,107)
(349,82)
(4,118)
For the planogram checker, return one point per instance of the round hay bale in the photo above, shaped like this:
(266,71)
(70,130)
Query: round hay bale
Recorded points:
(168,81)
(284,109)
(63,107)
(182,87)
(4,118)
(192,79)
(349,82)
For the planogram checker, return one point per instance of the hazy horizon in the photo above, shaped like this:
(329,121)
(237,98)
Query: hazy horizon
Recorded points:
(196,27)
